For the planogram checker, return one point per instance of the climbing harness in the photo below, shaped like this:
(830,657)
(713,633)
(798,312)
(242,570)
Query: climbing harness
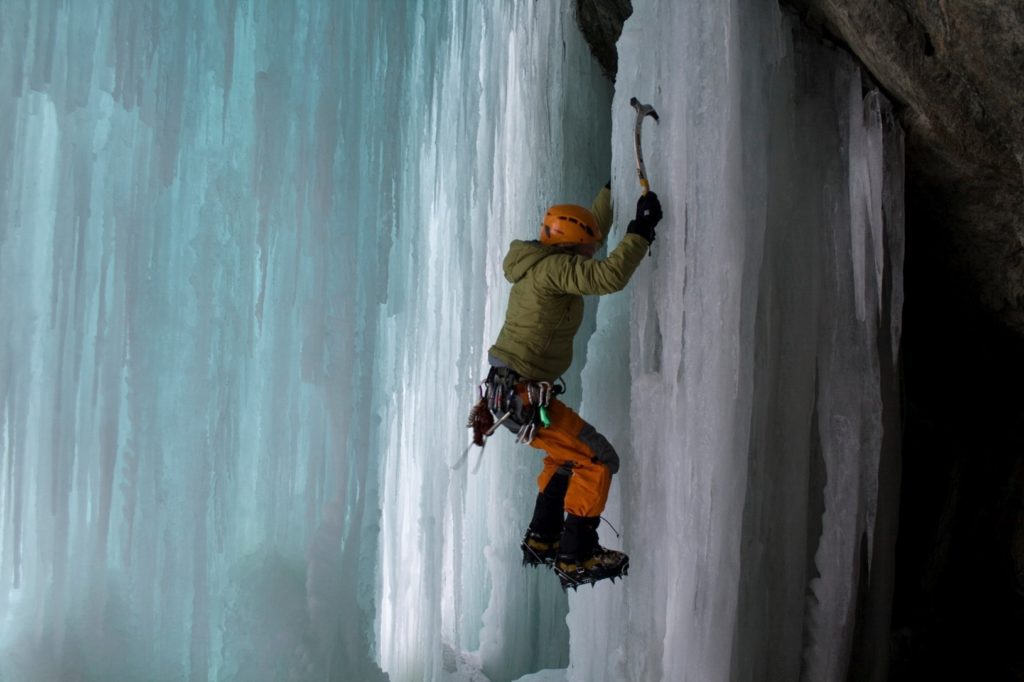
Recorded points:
(523,403)
(507,399)
(501,404)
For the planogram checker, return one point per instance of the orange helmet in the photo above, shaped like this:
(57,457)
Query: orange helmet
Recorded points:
(569,224)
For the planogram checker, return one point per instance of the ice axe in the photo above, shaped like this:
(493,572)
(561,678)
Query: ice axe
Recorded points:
(642,112)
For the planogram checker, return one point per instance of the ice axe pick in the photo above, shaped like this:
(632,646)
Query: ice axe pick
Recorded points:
(642,112)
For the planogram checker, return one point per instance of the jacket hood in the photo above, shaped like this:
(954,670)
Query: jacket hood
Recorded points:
(522,256)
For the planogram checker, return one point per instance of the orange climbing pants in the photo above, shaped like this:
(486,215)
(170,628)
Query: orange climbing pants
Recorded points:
(571,442)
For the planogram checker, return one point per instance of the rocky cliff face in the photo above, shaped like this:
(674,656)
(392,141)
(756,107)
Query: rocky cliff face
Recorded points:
(601,23)
(956,70)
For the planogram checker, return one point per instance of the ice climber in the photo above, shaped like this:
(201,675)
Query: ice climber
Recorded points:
(549,278)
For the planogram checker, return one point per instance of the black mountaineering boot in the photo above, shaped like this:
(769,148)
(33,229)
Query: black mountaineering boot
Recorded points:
(581,561)
(538,549)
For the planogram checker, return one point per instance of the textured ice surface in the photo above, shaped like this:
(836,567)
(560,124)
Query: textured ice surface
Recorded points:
(250,265)
(197,208)
(758,336)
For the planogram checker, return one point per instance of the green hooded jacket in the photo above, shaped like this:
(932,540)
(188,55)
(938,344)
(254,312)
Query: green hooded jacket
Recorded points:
(545,307)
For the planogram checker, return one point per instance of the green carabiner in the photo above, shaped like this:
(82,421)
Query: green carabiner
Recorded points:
(544,418)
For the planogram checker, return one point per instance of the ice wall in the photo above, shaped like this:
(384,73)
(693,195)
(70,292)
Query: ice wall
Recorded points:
(518,119)
(762,334)
(196,210)
(249,270)
(249,259)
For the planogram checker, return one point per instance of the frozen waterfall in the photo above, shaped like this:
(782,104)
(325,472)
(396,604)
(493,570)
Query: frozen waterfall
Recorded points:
(250,265)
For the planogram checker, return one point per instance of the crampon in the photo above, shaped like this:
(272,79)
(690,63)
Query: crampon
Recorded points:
(604,563)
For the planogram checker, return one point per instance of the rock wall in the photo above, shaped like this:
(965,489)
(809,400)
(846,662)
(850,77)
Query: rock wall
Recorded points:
(601,22)
(957,69)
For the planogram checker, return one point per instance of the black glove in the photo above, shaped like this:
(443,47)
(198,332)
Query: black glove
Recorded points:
(648,215)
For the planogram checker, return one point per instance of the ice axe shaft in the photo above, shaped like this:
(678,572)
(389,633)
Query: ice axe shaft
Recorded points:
(642,112)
